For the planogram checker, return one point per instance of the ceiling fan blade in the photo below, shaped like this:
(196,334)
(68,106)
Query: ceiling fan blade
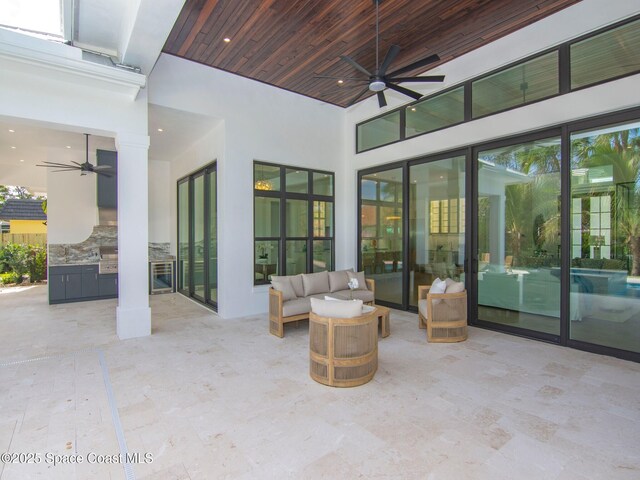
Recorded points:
(382,101)
(64,170)
(101,167)
(79,164)
(420,63)
(405,91)
(55,164)
(355,99)
(355,65)
(104,174)
(426,79)
(392,53)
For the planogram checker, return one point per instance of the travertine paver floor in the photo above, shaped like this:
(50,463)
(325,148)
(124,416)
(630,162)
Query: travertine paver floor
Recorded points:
(221,398)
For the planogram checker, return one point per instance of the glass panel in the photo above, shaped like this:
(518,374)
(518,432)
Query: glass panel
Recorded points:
(22,15)
(213,238)
(266,177)
(183,237)
(296,256)
(297,218)
(297,181)
(266,264)
(322,255)
(267,217)
(198,237)
(436,223)
(435,113)
(379,131)
(323,219)
(381,243)
(322,184)
(529,81)
(608,55)
(605,237)
(519,236)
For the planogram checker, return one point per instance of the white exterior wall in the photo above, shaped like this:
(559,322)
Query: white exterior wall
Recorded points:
(572,22)
(160,196)
(260,123)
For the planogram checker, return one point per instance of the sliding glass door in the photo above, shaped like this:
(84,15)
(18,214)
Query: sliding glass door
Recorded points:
(605,236)
(381,233)
(197,236)
(436,222)
(518,236)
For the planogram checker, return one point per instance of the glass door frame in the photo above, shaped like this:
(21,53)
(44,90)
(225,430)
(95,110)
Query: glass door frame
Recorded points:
(406,165)
(189,179)
(472,284)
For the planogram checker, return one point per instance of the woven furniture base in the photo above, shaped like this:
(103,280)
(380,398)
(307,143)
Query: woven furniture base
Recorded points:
(343,351)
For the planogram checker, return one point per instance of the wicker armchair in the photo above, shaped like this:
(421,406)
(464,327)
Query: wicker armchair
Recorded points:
(444,315)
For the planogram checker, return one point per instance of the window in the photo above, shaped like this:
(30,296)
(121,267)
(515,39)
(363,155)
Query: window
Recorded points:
(379,131)
(518,85)
(434,113)
(606,56)
(293,226)
(38,16)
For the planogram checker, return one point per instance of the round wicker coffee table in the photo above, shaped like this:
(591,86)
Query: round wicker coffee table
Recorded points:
(343,351)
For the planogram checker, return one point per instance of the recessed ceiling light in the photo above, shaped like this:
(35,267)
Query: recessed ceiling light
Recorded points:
(161,130)
(12,147)
(340,82)
(68,146)
(21,160)
(12,130)
(441,176)
(227,39)
(413,109)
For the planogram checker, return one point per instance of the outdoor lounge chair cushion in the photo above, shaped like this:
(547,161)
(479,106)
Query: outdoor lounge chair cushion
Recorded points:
(336,308)
(296,282)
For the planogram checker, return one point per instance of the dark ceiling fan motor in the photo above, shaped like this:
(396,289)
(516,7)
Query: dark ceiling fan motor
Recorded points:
(380,79)
(85,167)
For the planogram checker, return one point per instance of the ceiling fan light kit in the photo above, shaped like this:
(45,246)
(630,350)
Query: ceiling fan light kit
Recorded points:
(380,79)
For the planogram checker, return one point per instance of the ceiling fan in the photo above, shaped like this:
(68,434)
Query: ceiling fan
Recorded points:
(380,79)
(84,167)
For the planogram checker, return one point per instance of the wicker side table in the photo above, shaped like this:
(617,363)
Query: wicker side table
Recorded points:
(383,314)
(343,351)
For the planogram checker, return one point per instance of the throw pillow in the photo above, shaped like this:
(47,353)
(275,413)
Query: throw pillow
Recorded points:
(315,283)
(336,308)
(455,287)
(438,286)
(362,284)
(283,284)
(296,281)
(338,281)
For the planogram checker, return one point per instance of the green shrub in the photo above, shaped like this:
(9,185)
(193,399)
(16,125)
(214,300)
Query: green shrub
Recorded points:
(37,263)
(15,256)
(9,277)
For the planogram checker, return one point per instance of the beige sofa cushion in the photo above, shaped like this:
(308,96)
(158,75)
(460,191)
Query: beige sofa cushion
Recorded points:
(338,280)
(296,306)
(296,282)
(362,284)
(283,284)
(336,308)
(315,283)
(364,295)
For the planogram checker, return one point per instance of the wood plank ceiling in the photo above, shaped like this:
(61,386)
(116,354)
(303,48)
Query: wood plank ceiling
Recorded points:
(286,43)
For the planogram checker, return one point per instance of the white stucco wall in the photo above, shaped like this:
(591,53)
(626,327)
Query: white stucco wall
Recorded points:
(160,201)
(260,123)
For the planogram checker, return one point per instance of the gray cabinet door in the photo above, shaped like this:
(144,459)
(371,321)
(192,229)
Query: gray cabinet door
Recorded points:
(90,285)
(108,284)
(73,286)
(57,287)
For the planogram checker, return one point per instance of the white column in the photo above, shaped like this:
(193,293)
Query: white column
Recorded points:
(133,312)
